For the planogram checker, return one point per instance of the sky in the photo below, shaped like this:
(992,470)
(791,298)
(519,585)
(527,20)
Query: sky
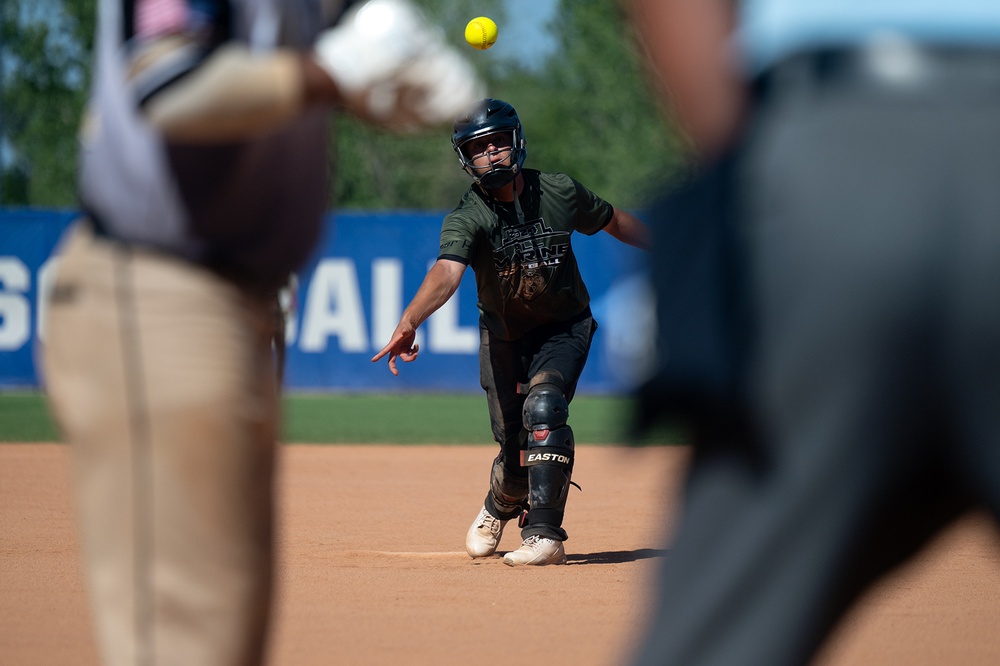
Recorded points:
(524,35)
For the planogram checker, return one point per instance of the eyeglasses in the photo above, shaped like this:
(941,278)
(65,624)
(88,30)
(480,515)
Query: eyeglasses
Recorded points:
(501,141)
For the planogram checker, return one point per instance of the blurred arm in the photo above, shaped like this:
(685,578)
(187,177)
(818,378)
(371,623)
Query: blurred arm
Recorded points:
(688,49)
(395,69)
(235,94)
(382,61)
(629,229)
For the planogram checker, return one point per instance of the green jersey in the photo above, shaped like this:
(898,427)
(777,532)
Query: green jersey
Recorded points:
(526,273)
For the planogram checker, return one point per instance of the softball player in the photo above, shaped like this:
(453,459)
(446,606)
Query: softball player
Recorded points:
(513,227)
(203,176)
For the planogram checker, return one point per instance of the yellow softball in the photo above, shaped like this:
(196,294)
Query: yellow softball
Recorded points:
(481,33)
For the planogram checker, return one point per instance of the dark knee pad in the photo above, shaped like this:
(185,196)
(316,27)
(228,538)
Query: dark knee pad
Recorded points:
(548,457)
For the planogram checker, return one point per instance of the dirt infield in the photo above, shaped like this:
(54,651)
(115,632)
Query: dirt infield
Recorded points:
(372,568)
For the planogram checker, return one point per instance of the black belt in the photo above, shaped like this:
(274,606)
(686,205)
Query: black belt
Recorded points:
(885,63)
(100,229)
(248,283)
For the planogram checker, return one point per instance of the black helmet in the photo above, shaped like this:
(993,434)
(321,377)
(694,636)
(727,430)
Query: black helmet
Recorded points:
(489,116)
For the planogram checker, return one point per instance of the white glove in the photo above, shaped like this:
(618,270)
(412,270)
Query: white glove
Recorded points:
(395,69)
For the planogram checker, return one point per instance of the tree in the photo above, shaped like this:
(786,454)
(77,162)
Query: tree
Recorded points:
(44,75)
(586,110)
(590,111)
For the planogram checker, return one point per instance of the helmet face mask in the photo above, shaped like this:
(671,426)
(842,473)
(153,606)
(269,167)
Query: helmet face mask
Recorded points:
(489,117)
(491,173)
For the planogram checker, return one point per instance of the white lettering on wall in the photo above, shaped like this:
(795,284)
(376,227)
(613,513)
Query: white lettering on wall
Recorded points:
(387,301)
(15,313)
(333,309)
(387,298)
(446,336)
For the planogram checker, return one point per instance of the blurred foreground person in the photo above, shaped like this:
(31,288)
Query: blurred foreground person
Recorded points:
(203,178)
(826,294)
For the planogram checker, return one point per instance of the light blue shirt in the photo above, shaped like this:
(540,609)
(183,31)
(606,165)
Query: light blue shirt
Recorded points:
(773,29)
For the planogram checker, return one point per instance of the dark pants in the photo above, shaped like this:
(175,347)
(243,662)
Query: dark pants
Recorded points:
(554,353)
(870,226)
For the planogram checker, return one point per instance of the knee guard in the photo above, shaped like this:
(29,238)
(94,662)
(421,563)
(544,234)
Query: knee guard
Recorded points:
(548,456)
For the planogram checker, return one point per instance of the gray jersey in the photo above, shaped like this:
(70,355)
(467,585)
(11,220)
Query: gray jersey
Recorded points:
(250,210)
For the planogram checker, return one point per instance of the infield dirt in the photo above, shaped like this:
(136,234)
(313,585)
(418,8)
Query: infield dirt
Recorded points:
(372,568)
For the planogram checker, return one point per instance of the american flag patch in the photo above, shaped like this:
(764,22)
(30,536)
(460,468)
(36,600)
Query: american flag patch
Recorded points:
(154,18)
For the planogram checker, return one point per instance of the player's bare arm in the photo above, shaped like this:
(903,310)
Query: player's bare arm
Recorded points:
(629,229)
(440,283)
(691,62)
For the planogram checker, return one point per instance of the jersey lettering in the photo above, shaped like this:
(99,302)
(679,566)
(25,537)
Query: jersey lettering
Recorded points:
(526,259)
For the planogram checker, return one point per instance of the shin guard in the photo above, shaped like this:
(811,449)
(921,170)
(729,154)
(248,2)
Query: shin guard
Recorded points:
(548,457)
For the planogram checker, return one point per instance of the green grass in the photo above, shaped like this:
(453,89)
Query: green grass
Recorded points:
(362,419)
(24,417)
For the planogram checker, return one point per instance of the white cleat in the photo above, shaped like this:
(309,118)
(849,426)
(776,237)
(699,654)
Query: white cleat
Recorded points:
(484,534)
(537,550)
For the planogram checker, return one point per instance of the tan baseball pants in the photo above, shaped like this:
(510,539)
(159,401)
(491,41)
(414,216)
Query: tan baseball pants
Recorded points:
(160,376)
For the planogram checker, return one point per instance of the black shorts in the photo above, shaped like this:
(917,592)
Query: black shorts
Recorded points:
(506,367)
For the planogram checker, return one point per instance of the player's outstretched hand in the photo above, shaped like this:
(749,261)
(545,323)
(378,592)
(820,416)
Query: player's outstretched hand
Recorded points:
(401,346)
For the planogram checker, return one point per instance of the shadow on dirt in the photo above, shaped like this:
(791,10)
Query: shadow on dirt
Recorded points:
(614,556)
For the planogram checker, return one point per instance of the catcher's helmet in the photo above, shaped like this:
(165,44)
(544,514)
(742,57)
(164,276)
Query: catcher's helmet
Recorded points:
(489,116)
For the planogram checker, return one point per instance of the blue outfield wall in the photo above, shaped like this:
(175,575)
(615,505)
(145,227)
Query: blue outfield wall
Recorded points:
(350,296)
